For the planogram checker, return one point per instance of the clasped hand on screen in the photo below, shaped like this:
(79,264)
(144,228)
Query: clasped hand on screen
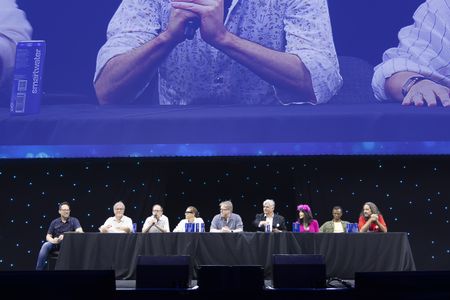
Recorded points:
(209,12)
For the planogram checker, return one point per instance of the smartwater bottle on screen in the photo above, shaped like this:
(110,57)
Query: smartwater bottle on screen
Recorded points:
(27,78)
(268,228)
(202,227)
(197,227)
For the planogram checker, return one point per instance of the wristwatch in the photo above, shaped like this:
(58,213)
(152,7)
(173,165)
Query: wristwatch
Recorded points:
(410,82)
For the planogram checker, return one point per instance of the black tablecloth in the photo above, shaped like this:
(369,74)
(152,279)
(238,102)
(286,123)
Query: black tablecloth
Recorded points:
(344,254)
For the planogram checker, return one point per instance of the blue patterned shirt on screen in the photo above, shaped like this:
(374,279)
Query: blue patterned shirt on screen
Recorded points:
(196,73)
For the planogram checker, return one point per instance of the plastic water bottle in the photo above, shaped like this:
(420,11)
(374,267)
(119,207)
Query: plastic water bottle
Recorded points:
(349,227)
(189,227)
(268,228)
(352,227)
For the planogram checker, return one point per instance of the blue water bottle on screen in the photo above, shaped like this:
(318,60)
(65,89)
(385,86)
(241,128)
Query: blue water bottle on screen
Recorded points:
(295,227)
(134,227)
(268,228)
(197,227)
(202,226)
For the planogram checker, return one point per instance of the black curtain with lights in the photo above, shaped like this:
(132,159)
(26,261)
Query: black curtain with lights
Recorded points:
(412,193)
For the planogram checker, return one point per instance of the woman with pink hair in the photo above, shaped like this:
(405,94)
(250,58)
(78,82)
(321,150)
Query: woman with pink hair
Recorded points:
(305,219)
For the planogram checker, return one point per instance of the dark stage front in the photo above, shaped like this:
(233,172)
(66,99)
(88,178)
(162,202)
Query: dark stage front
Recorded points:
(86,130)
(344,254)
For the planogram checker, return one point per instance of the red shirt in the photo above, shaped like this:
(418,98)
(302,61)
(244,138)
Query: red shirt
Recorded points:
(373,226)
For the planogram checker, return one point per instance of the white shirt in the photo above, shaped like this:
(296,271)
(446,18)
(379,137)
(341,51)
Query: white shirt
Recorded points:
(116,224)
(181,227)
(197,73)
(424,48)
(163,223)
(338,227)
(14,27)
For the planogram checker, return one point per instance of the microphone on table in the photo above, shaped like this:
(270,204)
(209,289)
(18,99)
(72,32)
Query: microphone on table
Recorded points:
(191,27)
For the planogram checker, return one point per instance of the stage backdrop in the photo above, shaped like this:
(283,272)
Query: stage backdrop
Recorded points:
(412,193)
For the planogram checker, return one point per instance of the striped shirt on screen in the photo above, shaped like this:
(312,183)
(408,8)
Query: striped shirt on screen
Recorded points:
(424,48)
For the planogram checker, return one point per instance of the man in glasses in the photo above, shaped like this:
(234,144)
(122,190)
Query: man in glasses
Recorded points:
(157,222)
(55,233)
(226,221)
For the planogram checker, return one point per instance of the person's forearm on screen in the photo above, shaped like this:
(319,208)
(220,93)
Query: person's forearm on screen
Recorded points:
(281,69)
(127,73)
(424,92)
(393,85)
(124,75)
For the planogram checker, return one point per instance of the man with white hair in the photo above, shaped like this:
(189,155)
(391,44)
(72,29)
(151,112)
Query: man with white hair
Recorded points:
(226,221)
(275,222)
(119,223)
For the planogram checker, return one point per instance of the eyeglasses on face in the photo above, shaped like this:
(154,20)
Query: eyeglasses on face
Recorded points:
(188,212)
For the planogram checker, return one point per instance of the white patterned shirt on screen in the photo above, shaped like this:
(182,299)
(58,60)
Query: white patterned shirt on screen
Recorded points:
(196,73)
(14,27)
